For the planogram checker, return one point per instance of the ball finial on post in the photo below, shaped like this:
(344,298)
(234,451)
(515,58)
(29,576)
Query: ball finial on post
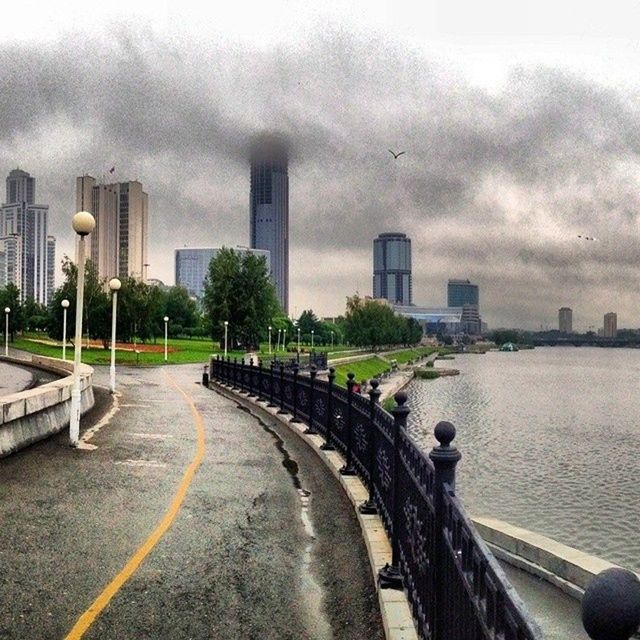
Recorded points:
(611,605)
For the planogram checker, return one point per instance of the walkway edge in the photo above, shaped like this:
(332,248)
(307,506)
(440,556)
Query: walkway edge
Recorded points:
(394,606)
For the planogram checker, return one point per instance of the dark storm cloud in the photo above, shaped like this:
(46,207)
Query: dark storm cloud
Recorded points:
(487,179)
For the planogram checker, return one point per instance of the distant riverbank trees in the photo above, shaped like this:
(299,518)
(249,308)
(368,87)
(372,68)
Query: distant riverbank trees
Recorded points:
(370,323)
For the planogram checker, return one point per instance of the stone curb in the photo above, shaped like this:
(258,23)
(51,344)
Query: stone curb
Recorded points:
(394,606)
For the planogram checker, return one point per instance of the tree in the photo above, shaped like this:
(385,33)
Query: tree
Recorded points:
(238,290)
(96,309)
(10,297)
(374,324)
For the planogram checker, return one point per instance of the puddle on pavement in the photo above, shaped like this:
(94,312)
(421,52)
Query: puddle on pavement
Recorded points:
(319,624)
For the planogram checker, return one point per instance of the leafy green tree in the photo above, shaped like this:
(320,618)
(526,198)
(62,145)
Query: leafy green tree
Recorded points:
(238,290)
(374,324)
(181,310)
(10,297)
(96,309)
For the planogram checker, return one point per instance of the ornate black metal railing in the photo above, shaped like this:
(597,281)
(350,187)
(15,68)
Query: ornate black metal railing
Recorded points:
(456,588)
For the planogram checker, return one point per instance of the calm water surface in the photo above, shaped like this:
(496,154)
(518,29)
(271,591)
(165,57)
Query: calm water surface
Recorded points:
(550,440)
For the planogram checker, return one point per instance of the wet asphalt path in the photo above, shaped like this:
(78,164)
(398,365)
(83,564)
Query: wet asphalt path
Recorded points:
(238,561)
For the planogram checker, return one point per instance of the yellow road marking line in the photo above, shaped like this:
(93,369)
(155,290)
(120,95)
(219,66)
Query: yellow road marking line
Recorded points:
(100,603)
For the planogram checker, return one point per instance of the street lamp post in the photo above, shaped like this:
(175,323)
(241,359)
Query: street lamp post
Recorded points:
(332,340)
(65,306)
(83,224)
(114,285)
(312,332)
(166,333)
(226,333)
(270,327)
(7,311)
(278,344)
(284,339)
(298,339)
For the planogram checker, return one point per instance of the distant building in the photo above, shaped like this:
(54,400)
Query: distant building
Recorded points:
(51,267)
(434,320)
(392,268)
(565,320)
(461,292)
(11,248)
(192,266)
(27,222)
(610,325)
(269,215)
(119,240)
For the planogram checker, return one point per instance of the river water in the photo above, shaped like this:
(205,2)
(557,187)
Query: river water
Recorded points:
(550,441)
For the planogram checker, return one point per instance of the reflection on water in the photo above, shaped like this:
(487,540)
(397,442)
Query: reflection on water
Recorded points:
(550,440)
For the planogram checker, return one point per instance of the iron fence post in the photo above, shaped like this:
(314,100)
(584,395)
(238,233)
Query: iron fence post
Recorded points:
(347,469)
(390,577)
(281,410)
(444,458)
(259,392)
(237,378)
(250,391)
(312,380)
(271,365)
(295,393)
(326,445)
(369,507)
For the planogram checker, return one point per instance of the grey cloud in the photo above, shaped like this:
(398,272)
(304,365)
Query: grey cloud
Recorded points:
(551,149)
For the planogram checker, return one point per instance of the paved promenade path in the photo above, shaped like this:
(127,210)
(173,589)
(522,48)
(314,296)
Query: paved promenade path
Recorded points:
(197,519)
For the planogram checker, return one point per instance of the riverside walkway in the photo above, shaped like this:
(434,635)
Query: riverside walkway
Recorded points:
(198,520)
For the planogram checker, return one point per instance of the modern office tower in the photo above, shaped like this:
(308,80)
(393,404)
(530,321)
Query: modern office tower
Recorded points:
(192,266)
(51,267)
(27,221)
(610,325)
(461,292)
(392,268)
(119,240)
(11,247)
(565,320)
(269,224)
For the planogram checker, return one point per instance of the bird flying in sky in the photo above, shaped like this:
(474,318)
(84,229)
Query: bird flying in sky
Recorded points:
(396,155)
(586,237)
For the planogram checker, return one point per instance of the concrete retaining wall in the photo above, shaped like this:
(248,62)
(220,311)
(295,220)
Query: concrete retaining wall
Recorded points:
(567,568)
(34,414)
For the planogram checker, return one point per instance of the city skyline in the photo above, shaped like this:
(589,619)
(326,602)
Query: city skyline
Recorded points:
(512,153)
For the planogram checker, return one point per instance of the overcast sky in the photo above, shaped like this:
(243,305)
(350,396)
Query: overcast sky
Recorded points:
(521,129)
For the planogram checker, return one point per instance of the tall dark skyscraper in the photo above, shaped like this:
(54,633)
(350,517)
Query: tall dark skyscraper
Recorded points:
(392,268)
(270,209)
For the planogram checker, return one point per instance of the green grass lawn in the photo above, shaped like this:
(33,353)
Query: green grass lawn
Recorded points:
(181,351)
(404,355)
(363,370)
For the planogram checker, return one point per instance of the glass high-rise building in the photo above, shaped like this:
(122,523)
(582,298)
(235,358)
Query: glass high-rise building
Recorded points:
(269,223)
(392,268)
(21,218)
(461,292)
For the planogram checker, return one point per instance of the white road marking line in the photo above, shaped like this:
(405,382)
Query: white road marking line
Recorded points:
(142,463)
(83,443)
(152,436)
